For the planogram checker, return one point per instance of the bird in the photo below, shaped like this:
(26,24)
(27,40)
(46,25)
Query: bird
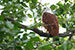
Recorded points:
(50,22)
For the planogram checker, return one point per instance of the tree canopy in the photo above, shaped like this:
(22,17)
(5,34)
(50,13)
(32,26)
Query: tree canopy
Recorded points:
(17,36)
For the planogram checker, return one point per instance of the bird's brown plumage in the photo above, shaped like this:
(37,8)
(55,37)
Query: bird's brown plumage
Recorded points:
(51,23)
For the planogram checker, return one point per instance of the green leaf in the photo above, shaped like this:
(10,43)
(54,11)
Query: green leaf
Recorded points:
(46,48)
(27,1)
(65,45)
(33,1)
(60,5)
(66,0)
(53,7)
(5,1)
(30,16)
(59,11)
(24,4)
(2,35)
(18,48)
(29,45)
(16,24)
(32,6)
(9,24)
(1,18)
(47,44)
(74,1)
(73,8)
(36,39)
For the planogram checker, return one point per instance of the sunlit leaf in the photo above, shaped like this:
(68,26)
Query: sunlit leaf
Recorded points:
(30,16)
(53,7)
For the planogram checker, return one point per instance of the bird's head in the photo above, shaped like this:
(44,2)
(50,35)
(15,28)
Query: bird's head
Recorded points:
(47,11)
(45,17)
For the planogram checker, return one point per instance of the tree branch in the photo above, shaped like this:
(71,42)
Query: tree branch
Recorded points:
(41,33)
(71,36)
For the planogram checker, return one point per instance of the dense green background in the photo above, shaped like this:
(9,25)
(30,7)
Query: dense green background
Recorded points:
(10,38)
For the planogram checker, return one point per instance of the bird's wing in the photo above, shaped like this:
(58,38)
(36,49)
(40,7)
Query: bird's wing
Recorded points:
(53,28)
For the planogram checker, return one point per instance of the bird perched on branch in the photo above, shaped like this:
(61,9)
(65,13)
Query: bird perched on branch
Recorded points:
(51,24)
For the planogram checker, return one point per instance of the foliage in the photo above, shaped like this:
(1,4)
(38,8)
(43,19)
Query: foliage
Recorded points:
(14,38)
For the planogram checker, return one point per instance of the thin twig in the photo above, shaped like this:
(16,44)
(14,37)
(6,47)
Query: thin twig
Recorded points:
(71,36)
